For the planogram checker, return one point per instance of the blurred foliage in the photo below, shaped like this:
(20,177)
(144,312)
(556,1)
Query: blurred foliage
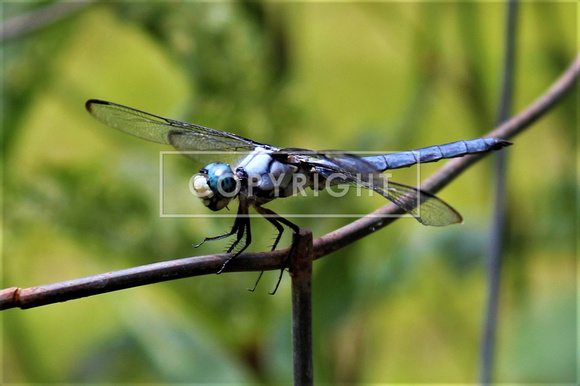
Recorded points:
(403,305)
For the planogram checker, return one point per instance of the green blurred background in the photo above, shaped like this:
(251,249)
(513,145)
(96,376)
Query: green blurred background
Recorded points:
(403,305)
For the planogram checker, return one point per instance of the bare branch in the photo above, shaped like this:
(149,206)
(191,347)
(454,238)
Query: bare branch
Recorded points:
(263,261)
(498,221)
(138,276)
(301,273)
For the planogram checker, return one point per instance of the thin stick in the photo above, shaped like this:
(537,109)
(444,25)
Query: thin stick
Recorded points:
(137,276)
(301,273)
(497,232)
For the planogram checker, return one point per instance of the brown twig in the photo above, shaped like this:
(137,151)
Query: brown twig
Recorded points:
(201,265)
(301,273)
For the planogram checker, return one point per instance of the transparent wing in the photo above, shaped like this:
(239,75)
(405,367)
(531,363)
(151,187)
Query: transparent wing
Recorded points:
(181,135)
(425,207)
(350,169)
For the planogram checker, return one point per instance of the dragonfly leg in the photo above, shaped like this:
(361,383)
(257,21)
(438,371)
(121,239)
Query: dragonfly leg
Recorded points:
(256,283)
(292,248)
(277,220)
(243,229)
(225,235)
(280,229)
(242,226)
(235,228)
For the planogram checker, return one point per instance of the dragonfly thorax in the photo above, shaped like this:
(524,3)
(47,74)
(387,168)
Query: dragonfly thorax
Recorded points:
(266,177)
(216,184)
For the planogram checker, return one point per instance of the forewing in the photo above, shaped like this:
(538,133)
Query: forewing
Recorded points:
(181,135)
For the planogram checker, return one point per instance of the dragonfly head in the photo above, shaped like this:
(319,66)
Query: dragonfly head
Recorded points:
(216,185)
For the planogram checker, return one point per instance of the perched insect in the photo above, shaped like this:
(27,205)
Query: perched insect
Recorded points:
(267,172)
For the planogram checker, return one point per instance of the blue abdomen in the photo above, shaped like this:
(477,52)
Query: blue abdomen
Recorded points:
(435,153)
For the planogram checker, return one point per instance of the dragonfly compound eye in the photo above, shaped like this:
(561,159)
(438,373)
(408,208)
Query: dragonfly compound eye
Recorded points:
(216,185)
(221,180)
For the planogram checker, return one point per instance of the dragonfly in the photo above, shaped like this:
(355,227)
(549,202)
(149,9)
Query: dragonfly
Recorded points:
(264,172)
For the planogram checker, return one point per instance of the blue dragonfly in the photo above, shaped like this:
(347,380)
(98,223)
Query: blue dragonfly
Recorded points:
(263,172)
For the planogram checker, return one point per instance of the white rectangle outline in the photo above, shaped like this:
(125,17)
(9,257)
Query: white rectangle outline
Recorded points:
(234,215)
